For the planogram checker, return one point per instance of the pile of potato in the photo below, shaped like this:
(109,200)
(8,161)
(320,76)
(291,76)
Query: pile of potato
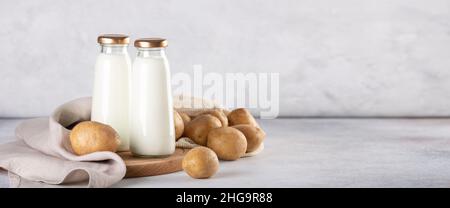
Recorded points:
(227,136)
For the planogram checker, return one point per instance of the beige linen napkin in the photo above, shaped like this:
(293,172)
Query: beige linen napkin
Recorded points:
(42,155)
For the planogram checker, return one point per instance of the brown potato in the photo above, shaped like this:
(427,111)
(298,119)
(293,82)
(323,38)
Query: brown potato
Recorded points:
(90,136)
(179,125)
(241,116)
(198,129)
(200,162)
(228,143)
(254,135)
(185,118)
(218,113)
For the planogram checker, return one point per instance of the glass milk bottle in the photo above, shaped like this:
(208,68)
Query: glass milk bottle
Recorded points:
(110,99)
(152,131)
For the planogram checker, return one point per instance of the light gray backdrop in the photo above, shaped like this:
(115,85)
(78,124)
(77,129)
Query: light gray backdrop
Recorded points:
(335,57)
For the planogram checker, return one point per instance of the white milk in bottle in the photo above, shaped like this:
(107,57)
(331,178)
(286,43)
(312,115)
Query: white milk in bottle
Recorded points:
(110,99)
(152,131)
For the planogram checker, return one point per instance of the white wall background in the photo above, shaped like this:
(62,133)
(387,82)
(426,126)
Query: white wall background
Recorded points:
(335,57)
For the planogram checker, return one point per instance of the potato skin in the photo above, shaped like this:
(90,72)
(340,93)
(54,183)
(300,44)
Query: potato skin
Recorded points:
(179,125)
(241,116)
(185,117)
(218,113)
(200,162)
(254,135)
(198,129)
(227,142)
(90,136)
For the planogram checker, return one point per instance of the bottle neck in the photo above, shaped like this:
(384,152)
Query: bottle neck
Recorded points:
(151,52)
(114,49)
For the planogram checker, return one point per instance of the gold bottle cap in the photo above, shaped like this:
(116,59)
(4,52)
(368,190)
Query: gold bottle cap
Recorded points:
(150,43)
(113,39)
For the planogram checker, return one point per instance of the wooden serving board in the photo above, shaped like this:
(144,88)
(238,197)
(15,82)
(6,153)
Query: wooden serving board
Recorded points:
(141,166)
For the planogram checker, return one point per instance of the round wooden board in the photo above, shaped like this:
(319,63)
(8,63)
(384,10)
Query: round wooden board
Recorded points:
(141,166)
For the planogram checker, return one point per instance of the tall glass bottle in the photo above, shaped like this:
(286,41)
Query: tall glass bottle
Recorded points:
(110,99)
(152,131)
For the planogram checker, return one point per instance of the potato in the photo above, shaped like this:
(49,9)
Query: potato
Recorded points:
(218,113)
(228,143)
(254,135)
(200,162)
(241,116)
(179,125)
(90,136)
(198,129)
(185,118)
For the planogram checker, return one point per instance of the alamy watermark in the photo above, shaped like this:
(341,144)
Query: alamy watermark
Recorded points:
(258,92)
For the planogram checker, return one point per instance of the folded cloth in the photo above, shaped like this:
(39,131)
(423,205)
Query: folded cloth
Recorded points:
(42,155)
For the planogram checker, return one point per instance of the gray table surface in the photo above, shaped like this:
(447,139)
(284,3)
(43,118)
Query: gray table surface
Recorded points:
(325,153)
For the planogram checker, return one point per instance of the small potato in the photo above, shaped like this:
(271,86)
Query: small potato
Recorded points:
(218,113)
(254,135)
(90,136)
(200,162)
(228,143)
(198,129)
(185,117)
(179,125)
(241,116)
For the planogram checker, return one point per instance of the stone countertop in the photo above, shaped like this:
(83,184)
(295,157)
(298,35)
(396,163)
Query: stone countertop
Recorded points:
(325,153)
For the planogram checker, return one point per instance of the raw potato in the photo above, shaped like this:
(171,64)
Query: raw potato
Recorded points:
(179,125)
(185,118)
(90,136)
(200,162)
(198,129)
(227,142)
(254,135)
(241,116)
(218,113)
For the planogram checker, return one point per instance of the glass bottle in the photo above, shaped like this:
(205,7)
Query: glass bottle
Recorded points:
(110,99)
(152,131)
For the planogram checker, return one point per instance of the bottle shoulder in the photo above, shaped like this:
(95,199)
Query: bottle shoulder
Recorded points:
(113,58)
(154,61)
